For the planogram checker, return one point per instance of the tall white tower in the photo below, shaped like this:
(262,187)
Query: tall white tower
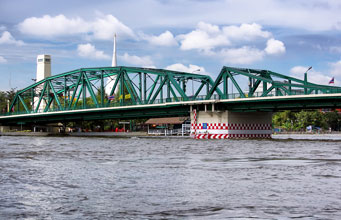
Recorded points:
(43,67)
(43,71)
(114,58)
(113,64)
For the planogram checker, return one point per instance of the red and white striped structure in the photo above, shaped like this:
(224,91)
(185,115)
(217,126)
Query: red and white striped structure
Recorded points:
(229,130)
(193,130)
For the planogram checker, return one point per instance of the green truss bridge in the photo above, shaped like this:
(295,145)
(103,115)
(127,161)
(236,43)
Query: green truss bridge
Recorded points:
(145,92)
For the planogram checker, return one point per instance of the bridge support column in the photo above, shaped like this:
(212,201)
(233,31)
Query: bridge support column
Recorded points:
(231,125)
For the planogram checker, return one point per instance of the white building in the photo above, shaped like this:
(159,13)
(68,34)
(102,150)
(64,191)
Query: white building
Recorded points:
(43,71)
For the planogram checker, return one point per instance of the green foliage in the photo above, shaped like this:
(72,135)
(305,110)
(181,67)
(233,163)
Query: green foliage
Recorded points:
(3,102)
(99,125)
(299,121)
(333,119)
(4,96)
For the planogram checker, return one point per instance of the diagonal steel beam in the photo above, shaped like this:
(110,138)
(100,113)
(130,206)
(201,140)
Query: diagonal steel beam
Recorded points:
(41,97)
(158,90)
(89,86)
(55,95)
(267,91)
(152,89)
(75,89)
(203,83)
(174,94)
(177,87)
(216,83)
(241,93)
(23,103)
(130,86)
(78,96)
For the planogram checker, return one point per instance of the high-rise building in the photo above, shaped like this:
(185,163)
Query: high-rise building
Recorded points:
(43,67)
(43,71)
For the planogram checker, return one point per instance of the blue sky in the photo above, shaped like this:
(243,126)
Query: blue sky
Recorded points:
(284,36)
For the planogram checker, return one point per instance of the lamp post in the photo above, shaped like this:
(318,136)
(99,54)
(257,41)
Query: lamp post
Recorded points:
(306,79)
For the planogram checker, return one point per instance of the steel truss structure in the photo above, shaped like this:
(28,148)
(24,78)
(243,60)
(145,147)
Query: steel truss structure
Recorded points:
(264,83)
(85,88)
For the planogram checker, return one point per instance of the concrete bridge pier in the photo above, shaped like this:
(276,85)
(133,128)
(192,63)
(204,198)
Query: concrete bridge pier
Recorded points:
(230,125)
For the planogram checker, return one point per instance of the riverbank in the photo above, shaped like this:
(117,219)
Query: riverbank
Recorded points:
(277,136)
(308,136)
(87,134)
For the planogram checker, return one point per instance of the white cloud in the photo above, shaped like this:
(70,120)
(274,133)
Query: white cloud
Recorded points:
(336,68)
(53,26)
(233,44)
(105,27)
(245,32)
(102,27)
(2,60)
(144,61)
(89,51)
(7,38)
(164,39)
(312,75)
(206,37)
(298,71)
(243,55)
(188,69)
(274,47)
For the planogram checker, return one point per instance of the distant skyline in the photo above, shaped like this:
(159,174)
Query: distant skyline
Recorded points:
(285,36)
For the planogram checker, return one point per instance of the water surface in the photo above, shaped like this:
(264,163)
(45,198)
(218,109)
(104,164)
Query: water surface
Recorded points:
(167,178)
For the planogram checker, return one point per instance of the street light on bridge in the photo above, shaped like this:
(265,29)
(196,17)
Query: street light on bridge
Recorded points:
(306,79)
(305,74)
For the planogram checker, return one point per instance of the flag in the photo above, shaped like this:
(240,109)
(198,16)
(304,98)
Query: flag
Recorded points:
(111,97)
(331,81)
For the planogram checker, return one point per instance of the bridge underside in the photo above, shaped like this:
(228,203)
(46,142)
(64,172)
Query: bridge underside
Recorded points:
(99,114)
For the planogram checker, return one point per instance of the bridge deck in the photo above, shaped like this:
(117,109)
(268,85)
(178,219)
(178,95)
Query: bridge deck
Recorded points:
(180,108)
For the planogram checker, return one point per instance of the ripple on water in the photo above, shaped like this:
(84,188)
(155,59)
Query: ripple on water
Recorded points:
(138,178)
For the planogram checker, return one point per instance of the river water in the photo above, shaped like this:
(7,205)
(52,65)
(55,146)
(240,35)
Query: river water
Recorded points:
(168,178)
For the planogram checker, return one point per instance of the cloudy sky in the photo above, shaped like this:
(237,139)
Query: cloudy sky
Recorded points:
(285,36)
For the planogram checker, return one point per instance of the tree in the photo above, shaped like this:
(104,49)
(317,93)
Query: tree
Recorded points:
(5,97)
(3,102)
(285,119)
(332,119)
(299,121)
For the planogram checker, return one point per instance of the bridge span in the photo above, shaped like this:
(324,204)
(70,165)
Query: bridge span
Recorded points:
(146,93)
